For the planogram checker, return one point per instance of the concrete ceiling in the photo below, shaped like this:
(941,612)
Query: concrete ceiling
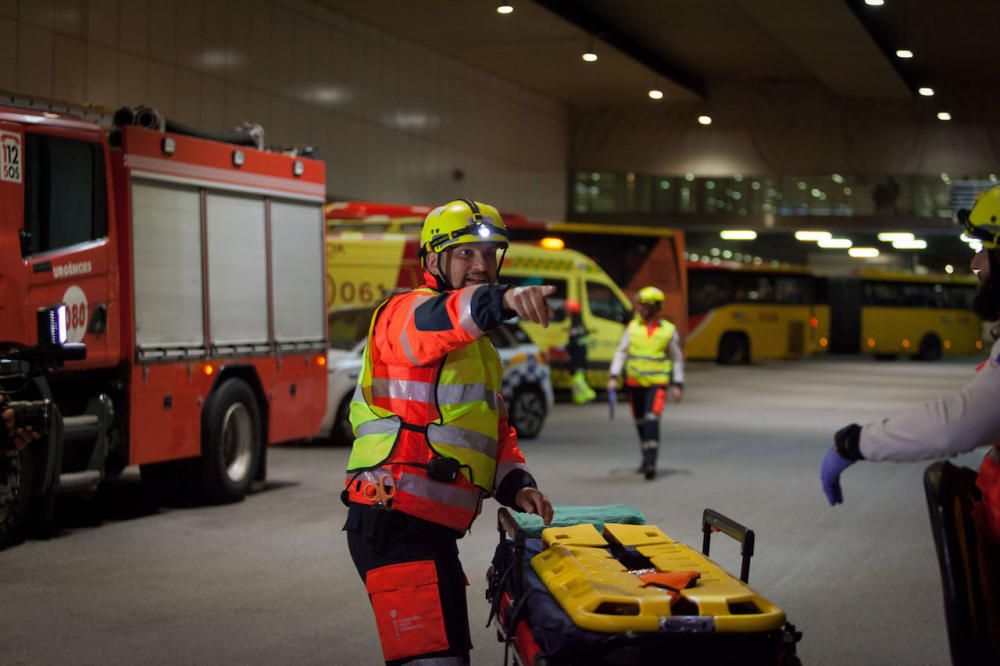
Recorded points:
(681,46)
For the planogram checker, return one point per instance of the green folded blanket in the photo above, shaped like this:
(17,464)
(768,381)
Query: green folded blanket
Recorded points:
(564,516)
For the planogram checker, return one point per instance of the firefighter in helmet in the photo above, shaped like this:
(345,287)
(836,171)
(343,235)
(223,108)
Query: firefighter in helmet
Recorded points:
(576,348)
(432,436)
(953,424)
(650,353)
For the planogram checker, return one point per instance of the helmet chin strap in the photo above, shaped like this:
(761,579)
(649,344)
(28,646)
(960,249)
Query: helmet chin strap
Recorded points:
(443,283)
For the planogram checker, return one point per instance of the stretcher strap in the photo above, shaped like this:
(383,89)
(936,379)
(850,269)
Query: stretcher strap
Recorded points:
(498,590)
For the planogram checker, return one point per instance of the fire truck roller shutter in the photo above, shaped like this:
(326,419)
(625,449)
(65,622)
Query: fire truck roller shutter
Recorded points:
(297,231)
(237,269)
(166,248)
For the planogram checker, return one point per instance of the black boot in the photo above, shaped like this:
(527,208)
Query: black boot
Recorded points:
(649,460)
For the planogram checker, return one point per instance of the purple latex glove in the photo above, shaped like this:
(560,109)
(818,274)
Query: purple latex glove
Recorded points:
(829,474)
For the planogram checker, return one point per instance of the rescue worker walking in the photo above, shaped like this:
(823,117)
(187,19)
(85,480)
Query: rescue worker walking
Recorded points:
(432,437)
(654,367)
(951,425)
(576,348)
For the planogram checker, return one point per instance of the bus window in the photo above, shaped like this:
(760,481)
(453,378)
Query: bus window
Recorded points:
(708,290)
(883,294)
(960,297)
(754,289)
(604,303)
(792,289)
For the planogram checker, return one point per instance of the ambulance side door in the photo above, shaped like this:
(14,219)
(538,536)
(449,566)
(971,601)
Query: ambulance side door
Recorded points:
(65,239)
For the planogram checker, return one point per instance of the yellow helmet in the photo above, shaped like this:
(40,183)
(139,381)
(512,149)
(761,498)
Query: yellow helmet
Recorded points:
(650,295)
(983,221)
(462,221)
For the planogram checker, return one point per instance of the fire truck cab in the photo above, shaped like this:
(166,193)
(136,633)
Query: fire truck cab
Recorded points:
(193,270)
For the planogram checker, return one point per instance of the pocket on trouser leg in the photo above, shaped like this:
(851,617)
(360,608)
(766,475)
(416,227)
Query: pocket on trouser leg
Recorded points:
(407,607)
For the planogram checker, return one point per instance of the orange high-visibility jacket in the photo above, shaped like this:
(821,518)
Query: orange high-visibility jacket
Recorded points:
(418,337)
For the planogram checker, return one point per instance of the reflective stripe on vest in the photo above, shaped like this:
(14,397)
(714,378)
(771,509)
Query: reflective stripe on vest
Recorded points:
(465,396)
(648,360)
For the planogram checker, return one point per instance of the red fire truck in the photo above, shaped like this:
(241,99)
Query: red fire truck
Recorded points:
(193,270)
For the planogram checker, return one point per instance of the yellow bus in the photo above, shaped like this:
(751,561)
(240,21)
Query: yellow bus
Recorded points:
(738,313)
(890,314)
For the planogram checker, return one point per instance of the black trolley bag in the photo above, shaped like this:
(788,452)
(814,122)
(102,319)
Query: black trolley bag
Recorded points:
(574,596)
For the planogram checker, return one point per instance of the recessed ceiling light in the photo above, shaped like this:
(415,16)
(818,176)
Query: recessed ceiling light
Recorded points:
(505,9)
(863,252)
(589,56)
(911,244)
(834,243)
(892,236)
(926,92)
(904,53)
(738,234)
(656,94)
(874,3)
(705,120)
(812,235)
(943,115)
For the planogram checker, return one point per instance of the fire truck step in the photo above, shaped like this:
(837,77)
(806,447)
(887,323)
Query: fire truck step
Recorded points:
(79,482)
(83,427)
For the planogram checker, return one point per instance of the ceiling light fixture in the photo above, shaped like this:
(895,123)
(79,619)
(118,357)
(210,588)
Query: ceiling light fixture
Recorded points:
(874,3)
(943,115)
(705,120)
(904,54)
(863,252)
(813,235)
(505,9)
(911,244)
(892,236)
(738,234)
(655,94)
(926,92)
(590,55)
(835,243)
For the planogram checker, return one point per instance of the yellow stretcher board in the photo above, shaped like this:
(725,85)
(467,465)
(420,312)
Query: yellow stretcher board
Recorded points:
(600,594)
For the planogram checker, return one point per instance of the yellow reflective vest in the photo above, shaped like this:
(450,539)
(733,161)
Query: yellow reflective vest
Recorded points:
(648,362)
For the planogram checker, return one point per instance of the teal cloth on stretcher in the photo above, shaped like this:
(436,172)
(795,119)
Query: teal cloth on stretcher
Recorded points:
(565,516)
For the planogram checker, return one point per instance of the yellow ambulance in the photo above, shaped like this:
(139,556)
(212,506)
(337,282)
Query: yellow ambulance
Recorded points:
(603,306)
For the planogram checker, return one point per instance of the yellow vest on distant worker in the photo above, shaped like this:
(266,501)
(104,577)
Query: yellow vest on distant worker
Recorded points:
(649,361)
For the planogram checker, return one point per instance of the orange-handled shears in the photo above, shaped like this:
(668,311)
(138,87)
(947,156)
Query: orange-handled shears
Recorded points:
(380,491)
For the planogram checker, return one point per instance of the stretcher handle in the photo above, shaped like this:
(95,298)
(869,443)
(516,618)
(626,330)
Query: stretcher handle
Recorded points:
(507,524)
(713,521)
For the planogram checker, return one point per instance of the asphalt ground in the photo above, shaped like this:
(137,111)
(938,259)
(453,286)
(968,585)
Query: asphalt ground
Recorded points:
(270,581)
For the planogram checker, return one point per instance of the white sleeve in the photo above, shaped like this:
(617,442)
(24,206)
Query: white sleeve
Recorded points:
(618,360)
(677,360)
(945,427)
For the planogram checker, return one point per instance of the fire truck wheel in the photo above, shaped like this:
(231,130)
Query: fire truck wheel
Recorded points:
(15,491)
(230,442)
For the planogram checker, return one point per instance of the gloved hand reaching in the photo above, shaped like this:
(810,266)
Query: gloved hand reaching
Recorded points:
(829,474)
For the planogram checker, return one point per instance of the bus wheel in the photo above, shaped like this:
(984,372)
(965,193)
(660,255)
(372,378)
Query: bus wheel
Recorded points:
(734,348)
(230,442)
(930,348)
